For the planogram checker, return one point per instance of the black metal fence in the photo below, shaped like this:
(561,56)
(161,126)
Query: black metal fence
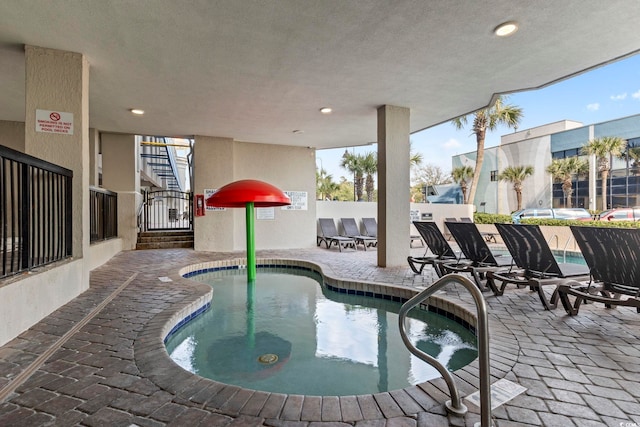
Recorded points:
(35,212)
(103,212)
(166,210)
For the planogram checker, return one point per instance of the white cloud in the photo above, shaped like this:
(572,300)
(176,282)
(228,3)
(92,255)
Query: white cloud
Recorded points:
(636,95)
(619,97)
(593,107)
(451,144)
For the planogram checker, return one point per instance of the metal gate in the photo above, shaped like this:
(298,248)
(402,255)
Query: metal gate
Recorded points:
(167,210)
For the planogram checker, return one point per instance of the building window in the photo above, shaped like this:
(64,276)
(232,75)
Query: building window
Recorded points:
(494,175)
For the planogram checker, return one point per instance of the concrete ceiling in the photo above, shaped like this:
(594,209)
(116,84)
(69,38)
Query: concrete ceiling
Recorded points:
(256,70)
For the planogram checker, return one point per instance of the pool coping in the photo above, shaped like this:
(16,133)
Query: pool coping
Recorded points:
(154,362)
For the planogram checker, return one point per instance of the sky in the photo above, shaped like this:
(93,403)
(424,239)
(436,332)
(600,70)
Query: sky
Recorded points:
(605,93)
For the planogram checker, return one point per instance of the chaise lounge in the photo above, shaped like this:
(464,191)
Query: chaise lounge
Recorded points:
(351,229)
(329,235)
(536,264)
(480,258)
(438,246)
(613,257)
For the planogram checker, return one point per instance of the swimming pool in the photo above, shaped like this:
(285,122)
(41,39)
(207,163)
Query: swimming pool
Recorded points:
(285,333)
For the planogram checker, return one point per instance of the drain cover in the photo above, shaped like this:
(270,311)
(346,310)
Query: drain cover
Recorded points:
(268,359)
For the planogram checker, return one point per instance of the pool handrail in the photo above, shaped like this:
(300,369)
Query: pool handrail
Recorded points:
(455,405)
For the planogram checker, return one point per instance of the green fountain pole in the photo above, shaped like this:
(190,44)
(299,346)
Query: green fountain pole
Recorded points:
(251,243)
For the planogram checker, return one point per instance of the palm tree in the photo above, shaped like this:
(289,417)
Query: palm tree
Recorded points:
(563,171)
(325,186)
(515,175)
(353,163)
(369,167)
(634,156)
(460,175)
(488,119)
(604,149)
(415,159)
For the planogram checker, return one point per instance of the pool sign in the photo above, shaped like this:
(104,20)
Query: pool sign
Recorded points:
(298,201)
(54,122)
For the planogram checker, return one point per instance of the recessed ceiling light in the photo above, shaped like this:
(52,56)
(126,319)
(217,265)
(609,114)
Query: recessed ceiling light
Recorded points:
(506,29)
(137,111)
(326,110)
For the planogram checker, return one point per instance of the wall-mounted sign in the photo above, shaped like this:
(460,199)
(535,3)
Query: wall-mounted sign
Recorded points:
(265,213)
(54,122)
(208,192)
(298,201)
(414,215)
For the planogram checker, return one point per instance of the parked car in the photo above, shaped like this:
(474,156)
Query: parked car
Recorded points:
(621,214)
(578,214)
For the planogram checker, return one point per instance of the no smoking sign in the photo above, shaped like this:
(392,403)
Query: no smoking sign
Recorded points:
(54,122)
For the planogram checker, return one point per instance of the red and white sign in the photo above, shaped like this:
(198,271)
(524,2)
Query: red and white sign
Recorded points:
(54,122)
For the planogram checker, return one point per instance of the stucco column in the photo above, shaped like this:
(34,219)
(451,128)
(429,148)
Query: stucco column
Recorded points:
(58,81)
(94,151)
(213,160)
(393,186)
(121,174)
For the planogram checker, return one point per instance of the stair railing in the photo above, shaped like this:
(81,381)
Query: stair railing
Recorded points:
(455,405)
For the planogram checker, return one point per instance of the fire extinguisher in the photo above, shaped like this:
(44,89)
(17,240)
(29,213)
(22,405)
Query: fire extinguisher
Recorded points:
(199,202)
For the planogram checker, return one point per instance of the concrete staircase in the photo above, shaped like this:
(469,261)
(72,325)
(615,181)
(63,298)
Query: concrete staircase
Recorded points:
(165,239)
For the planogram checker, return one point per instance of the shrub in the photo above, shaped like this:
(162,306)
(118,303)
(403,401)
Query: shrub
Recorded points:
(487,218)
(566,223)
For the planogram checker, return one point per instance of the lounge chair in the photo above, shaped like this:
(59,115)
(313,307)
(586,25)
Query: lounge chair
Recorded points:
(536,263)
(447,233)
(438,246)
(351,230)
(370,227)
(329,235)
(613,257)
(488,235)
(480,259)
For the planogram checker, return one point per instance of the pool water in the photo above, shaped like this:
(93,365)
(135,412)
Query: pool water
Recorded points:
(560,256)
(286,333)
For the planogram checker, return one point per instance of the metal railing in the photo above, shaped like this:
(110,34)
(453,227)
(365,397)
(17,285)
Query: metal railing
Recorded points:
(35,212)
(103,213)
(455,405)
(167,210)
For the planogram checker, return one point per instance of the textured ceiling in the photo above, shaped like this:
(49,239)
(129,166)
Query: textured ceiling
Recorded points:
(258,70)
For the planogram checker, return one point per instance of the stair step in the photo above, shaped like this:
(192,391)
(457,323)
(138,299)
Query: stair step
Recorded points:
(165,239)
(164,245)
(165,233)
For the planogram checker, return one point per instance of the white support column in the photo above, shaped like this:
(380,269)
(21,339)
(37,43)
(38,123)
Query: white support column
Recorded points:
(58,81)
(121,173)
(593,176)
(393,186)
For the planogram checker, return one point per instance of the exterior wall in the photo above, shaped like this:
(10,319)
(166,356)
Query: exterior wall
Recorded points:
(213,168)
(536,189)
(12,135)
(531,147)
(101,252)
(220,161)
(487,189)
(25,302)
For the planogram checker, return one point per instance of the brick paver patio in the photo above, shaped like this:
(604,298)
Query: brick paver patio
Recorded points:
(97,361)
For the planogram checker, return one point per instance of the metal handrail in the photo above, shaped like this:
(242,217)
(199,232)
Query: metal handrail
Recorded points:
(557,241)
(564,251)
(455,405)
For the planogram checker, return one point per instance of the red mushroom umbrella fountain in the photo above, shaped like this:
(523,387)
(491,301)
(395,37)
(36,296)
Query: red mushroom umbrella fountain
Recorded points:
(249,193)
